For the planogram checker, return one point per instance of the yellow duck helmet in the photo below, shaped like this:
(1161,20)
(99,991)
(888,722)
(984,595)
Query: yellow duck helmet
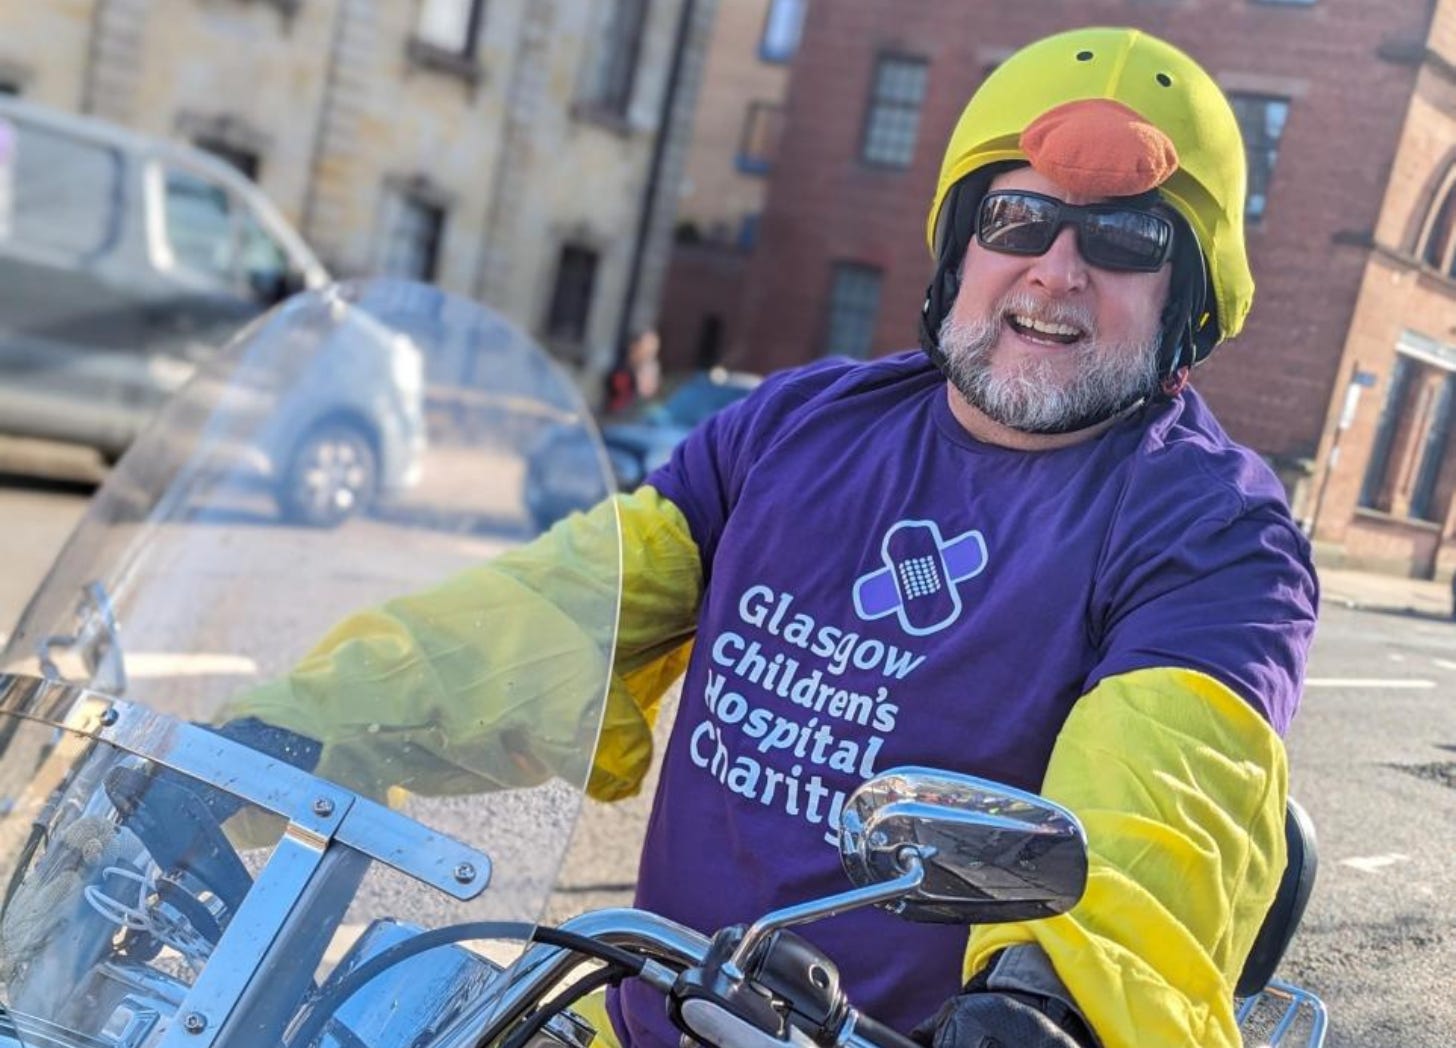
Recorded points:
(1116,112)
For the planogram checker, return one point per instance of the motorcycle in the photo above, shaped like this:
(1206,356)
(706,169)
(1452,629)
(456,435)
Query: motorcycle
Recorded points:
(170,882)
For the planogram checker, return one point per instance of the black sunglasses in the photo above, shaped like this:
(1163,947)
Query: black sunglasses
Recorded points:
(1109,236)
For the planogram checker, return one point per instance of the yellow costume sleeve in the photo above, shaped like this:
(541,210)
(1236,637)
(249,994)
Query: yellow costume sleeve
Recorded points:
(489,680)
(1181,787)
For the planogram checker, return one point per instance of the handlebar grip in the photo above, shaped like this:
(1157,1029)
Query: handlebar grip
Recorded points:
(869,1033)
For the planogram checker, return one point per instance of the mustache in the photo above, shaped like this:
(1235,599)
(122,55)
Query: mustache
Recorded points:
(1047,310)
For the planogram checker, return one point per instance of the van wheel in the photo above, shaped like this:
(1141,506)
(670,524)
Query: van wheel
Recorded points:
(331,476)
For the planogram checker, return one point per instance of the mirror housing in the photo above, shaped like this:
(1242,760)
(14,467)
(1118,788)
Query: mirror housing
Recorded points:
(991,853)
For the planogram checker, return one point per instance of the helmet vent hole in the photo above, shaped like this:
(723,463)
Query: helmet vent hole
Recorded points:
(1165,80)
(1084,56)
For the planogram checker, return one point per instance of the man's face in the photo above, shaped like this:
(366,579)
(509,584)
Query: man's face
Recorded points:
(1051,343)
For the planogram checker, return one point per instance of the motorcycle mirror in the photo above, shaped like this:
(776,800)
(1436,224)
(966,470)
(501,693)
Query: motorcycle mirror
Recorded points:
(990,853)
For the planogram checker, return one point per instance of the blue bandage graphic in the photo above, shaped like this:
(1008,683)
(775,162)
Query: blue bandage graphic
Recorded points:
(919,578)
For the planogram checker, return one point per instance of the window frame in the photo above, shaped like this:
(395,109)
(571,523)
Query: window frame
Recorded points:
(834,310)
(1271,153)
(469,46)
(751,163)
(874,106)
(410,197)
(576,331)
(618,63)
(781,55)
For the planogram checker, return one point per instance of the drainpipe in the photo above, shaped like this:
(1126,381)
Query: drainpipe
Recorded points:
(654,179)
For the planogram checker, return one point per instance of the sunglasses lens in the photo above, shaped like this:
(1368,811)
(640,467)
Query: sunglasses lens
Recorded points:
(1131,240)
(1109,237)
(1017,224)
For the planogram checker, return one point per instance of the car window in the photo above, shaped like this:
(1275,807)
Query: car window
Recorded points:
(264,262)
(200,225)
(57,192)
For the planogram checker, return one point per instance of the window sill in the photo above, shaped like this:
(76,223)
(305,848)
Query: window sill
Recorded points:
(1381,517)
(753,165)
(426,55)
(611,120)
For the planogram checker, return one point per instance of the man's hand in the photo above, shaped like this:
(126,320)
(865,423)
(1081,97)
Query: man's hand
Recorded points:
(987,1019)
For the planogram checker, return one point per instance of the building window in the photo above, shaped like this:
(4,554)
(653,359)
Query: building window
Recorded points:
(414,229)
(854,309)
(450,26)
(894,113)
(782,29)
(1433,452)
(245,160)
(1261,120)
(1435,247)
(616,70)
(571,298)
(1407,473)
(759,146)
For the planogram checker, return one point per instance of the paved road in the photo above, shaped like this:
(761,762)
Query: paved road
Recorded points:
(1373,758)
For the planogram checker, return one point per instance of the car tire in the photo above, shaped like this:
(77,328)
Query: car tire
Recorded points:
(332,474)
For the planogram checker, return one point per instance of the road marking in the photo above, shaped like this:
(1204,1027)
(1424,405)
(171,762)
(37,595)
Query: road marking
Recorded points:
(1366,682)
(1445,664)
(1395,656)
(1371,863)
(146,665)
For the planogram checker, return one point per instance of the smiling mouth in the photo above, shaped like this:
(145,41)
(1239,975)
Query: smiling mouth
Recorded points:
(1046,332)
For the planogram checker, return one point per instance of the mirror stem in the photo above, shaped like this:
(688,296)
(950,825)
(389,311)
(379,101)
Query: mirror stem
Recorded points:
(908,860)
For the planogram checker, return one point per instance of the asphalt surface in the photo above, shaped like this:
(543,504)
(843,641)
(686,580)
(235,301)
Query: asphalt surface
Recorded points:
(1373,759)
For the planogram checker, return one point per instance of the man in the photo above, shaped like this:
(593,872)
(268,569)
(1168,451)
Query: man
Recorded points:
(1035,557)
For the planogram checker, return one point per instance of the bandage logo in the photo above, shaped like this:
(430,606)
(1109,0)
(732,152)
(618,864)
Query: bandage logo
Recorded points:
(919,577)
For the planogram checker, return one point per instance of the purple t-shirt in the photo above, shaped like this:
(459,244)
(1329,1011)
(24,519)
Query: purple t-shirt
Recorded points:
(882,589)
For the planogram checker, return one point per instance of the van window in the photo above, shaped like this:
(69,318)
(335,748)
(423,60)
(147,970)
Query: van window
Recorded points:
(64,192)
(265,264)
(200,225)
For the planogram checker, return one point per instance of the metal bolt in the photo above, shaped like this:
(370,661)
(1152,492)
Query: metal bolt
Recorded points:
(194,1022)
(109,717)
(323,807)
(465,873)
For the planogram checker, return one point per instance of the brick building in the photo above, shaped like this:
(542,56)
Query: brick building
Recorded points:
(1331,95)
(1387,465)
(507,150)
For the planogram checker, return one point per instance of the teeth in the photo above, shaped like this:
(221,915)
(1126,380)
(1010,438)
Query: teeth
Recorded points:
(1045,327)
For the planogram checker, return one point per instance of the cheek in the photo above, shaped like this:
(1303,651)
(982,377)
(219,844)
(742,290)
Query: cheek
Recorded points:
(985,278)
(1133,308)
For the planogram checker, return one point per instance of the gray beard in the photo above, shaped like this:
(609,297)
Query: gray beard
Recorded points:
(1034,398)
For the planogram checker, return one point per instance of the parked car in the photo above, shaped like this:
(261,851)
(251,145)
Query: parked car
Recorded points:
(635,445)
(124,261)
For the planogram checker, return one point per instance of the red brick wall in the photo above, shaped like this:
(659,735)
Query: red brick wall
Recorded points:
(1271,388)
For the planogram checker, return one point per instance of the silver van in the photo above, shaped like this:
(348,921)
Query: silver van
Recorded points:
(124,261)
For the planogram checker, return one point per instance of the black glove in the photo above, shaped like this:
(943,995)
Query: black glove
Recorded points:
(991,1019)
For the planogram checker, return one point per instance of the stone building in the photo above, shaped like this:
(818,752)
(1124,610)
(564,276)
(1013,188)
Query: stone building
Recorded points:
(1331,94)
(507,150)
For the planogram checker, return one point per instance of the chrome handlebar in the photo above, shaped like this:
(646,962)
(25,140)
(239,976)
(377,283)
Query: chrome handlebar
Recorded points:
(667,946)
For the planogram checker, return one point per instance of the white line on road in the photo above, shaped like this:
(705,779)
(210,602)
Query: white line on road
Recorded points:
(1366,682)
(1371,863)
(1445,664)
(148,665)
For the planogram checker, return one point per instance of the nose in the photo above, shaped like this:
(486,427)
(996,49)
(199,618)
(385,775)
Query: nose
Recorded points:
(1062,269)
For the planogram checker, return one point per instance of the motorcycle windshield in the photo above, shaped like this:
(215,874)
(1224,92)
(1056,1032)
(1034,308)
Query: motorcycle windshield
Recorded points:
(306,681)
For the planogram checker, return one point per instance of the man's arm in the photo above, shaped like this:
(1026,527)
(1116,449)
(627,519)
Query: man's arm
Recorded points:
(494,678)
(1181,787)
(1173,761)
